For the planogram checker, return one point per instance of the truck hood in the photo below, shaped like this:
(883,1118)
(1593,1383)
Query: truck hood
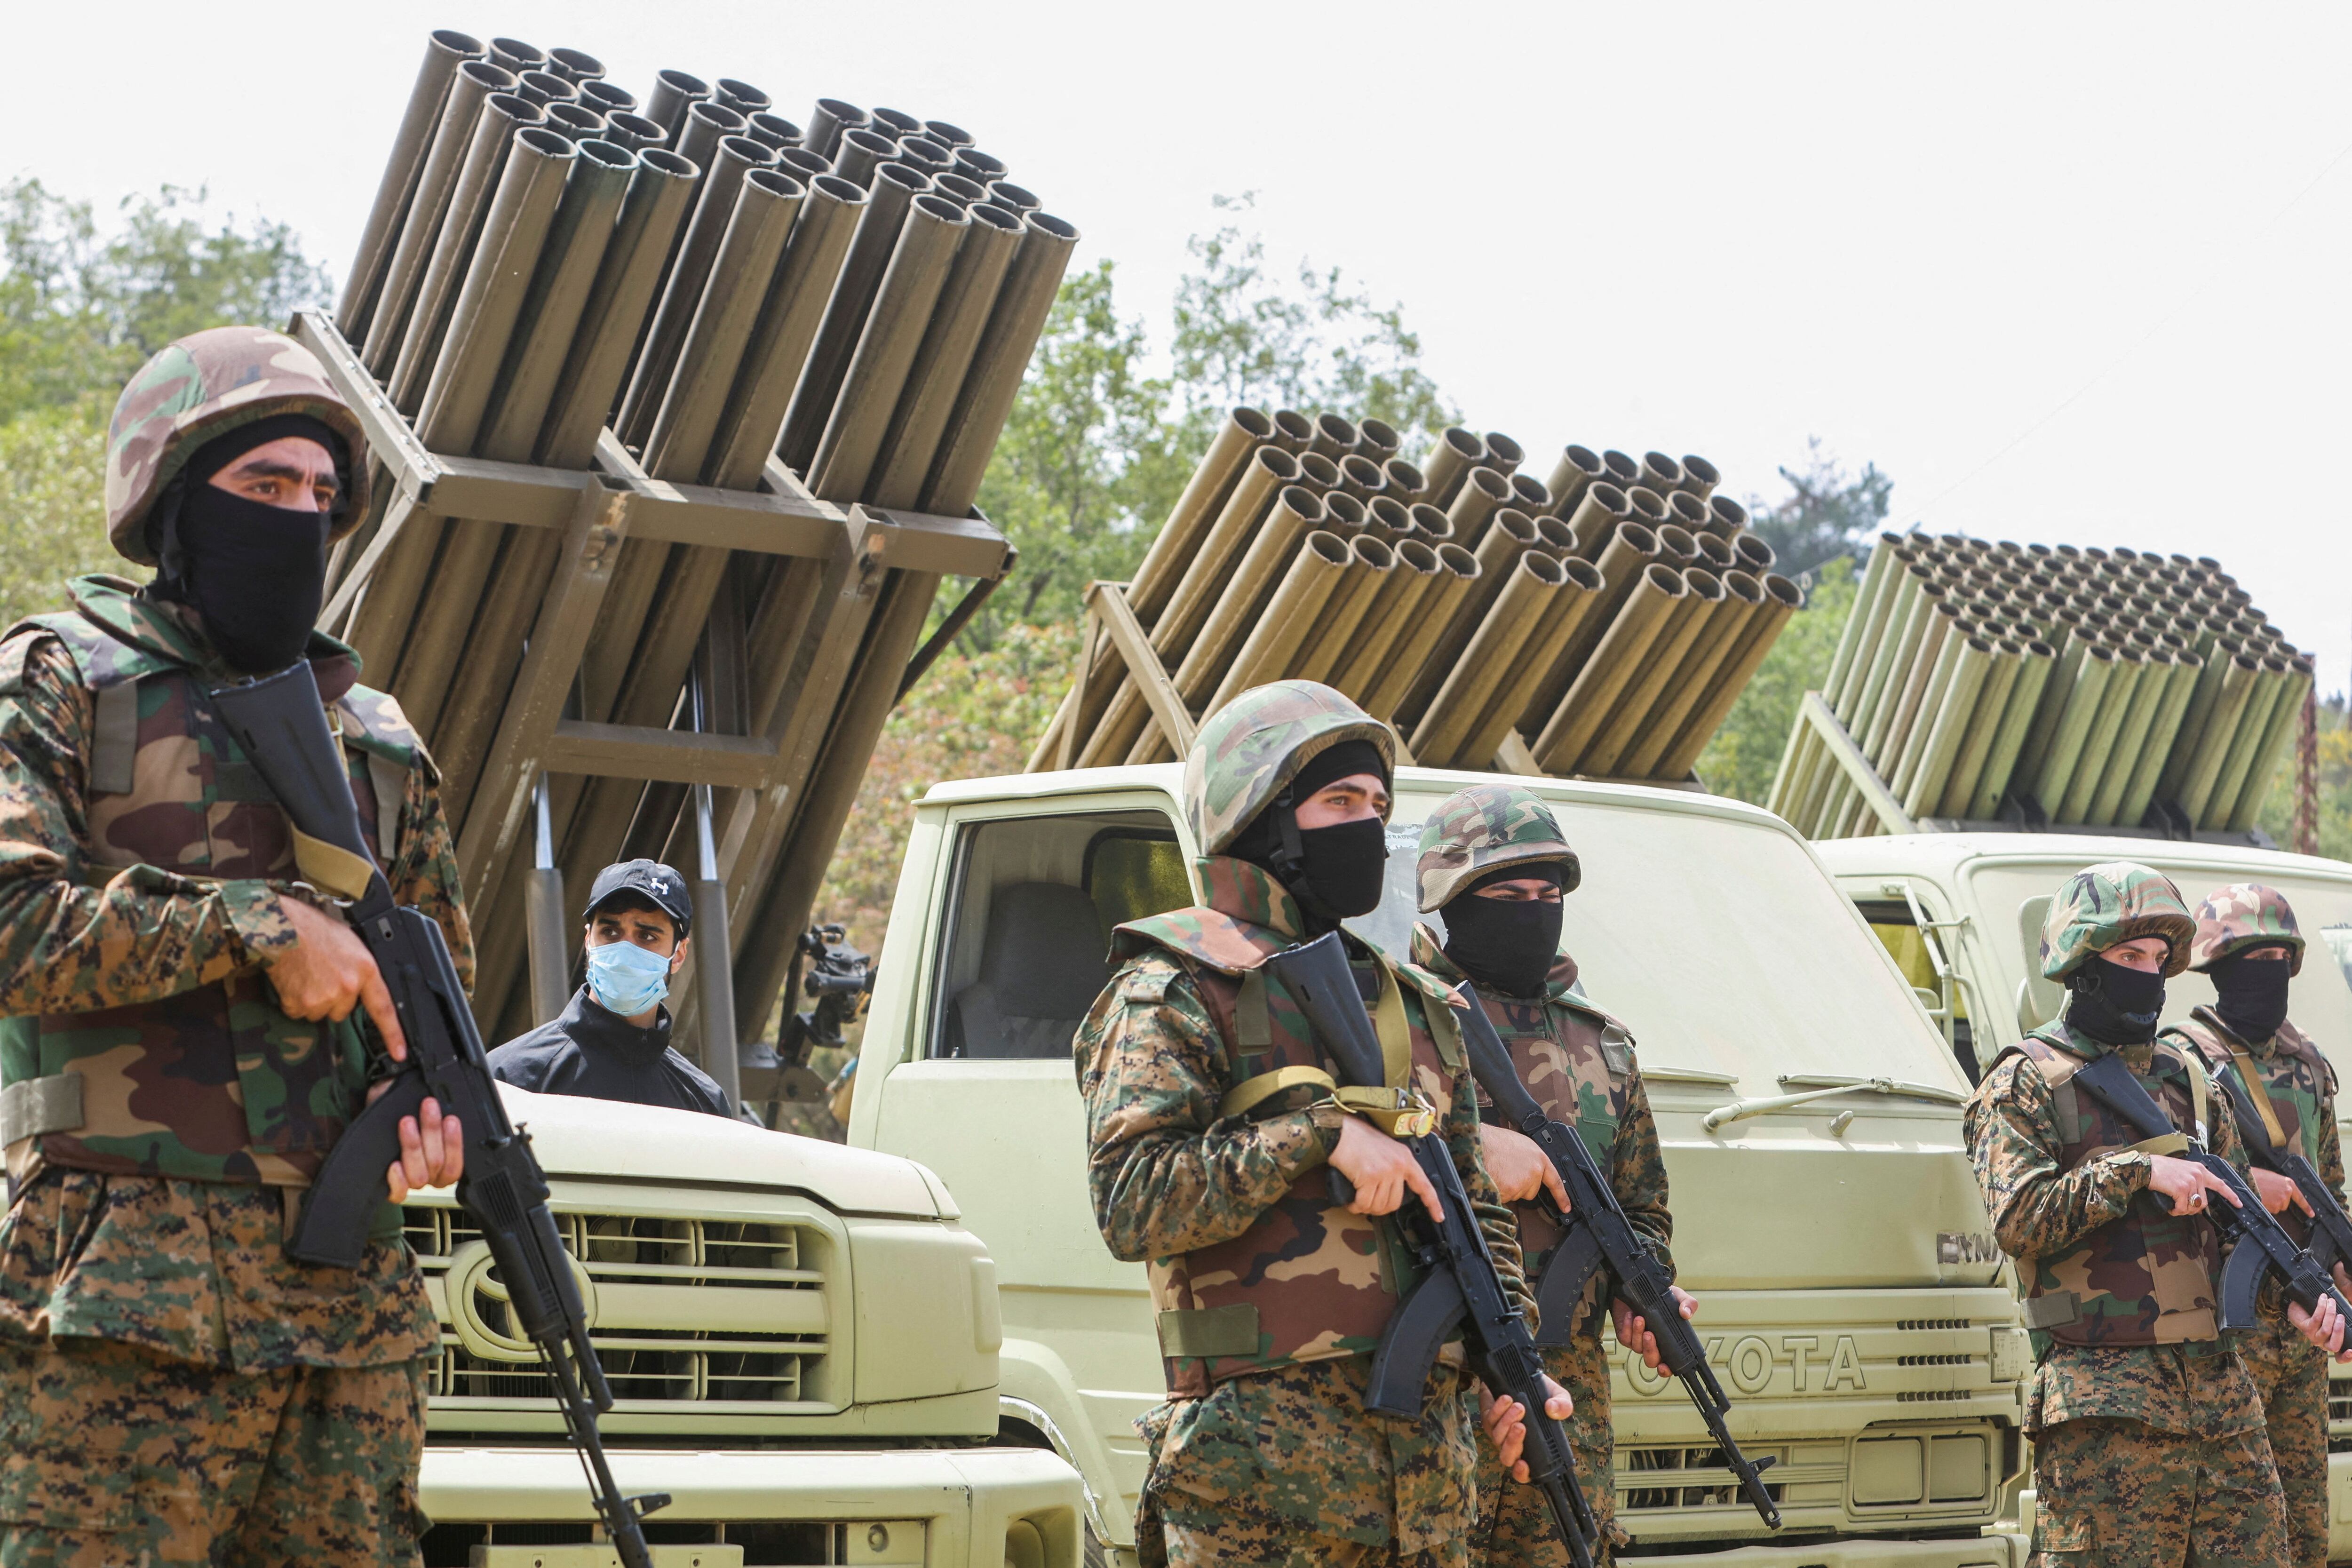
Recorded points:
(611,1140)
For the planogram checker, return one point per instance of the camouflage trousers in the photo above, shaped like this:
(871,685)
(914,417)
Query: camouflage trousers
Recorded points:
(1286,1468)
(2119,1494)
(2290,1374)
(1515,1528)
(111,1456)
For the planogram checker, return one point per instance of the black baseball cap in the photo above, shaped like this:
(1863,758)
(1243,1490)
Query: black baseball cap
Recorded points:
(650,879)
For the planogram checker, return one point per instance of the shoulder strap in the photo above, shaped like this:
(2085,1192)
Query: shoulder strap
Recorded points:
(1209,937)
(101,658)
(374,723)
(114,738)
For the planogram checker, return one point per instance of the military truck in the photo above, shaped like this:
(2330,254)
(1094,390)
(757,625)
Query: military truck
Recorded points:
(1826,1215)
(802,1341)
(1961,914)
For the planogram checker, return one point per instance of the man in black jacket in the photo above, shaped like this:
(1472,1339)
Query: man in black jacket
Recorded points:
(613,1041)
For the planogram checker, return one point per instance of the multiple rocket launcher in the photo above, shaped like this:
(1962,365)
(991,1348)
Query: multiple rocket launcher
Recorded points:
(2107,687)
(1608,618)
(557,273)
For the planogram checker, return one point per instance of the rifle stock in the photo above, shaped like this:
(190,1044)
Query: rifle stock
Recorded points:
(1599,1233)
(1460,1286)
(281,724)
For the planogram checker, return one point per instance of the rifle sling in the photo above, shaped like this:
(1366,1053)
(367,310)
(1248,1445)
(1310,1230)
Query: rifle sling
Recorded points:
(2258,1095)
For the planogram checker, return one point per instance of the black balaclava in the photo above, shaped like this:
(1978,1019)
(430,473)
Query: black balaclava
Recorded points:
(1334,872)
(2113,1005)
(2251,994)
(1507,944)
(255,573)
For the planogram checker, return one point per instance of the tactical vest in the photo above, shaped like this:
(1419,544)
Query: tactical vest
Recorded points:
(1576,1060)
(215,1083)
(2149,1277)
(2291,1081)
(1308,1281)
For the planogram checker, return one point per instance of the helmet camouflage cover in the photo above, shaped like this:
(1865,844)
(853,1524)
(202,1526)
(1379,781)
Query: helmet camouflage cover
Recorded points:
(2114,903)
(1247,751)
(203,386)
(2244,915)
(1477,830)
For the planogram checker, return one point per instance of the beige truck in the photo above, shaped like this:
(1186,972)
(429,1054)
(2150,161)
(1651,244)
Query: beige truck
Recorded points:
(1826,1216)
(802,1340)
(1961,913)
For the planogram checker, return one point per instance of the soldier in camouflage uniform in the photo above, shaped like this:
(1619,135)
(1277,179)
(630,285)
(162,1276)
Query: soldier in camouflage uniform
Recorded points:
(179,1053)
(1496,864)
(2248,944)
(2148,1441)
(1211,1115)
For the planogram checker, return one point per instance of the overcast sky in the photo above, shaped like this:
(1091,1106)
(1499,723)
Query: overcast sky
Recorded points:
(2066,273)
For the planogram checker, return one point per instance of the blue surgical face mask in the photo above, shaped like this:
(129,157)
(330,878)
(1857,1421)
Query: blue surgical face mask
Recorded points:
(627,979)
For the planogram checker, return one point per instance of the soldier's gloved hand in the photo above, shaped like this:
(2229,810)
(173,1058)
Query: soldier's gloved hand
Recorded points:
(2186,1182)
(2278,1192)
(431,1149)
(1382,1170)
(1634,1335)
(328,971)
(2324,1327)
(1505,1420)
(1519,1166)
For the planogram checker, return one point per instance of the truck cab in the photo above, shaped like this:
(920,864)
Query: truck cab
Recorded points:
(1826,1215)
(1961,914)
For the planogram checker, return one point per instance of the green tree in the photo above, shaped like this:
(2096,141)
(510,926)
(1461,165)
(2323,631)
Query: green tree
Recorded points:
(1827,512)
(1317,343)
(82,306)
(1746,752)
(1085,455)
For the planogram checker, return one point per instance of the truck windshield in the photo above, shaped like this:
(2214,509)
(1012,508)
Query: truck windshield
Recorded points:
(1720,943)
(2320,1000)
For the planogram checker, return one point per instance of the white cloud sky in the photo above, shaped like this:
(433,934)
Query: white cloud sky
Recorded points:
(2065,272)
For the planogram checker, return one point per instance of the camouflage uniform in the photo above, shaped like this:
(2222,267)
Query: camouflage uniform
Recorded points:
(2298,1091)
(178,1390)
(1270,1296)
(2148,1443)
(1578,1064)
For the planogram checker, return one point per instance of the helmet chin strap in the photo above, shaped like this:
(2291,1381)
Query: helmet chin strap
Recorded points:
(1289,854)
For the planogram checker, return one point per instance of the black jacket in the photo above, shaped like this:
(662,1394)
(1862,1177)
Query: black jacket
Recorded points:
(596,1053)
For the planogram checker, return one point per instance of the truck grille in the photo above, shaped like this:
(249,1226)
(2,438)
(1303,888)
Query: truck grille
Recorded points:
(1651,1480)
(710,1311)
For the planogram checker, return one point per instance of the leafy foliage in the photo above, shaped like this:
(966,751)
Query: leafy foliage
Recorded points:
(81,307)
(1828,511)
(1086,453)
(1746,752)
(1242,336)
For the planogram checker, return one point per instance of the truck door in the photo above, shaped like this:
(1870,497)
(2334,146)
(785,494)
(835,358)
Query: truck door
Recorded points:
(986,1094)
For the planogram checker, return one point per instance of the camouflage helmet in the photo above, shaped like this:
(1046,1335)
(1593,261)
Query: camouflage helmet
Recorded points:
(204,386)
(1247,751)
(1477,830)
(2244,915)
(2106,905)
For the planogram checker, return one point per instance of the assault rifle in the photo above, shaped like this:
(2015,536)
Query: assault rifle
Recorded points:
(2331,1228)
(1599,1233)
(282,726)
(2258,1243)
(1460,1290)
